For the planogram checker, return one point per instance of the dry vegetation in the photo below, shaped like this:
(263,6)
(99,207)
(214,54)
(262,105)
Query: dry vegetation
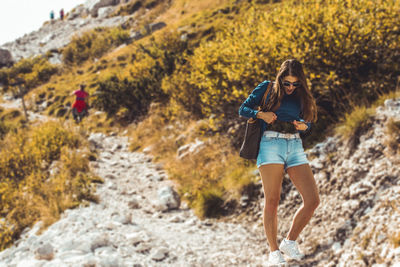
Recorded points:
(202,66)
(43,171)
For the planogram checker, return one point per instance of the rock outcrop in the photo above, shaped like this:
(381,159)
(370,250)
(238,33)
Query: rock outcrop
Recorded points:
(93,6)
(53,36)
(357,221)
(6,58)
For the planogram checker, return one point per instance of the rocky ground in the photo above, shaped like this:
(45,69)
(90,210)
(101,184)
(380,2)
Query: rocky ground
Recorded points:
(357,222)
(139,220)
(54,35)
(136,223)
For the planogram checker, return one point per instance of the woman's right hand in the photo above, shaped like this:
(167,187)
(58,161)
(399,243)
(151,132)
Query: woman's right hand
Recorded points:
(268,117)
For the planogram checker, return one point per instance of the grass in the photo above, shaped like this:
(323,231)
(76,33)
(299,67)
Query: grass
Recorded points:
(215,173)
(44,170)
(207,177)
(355,122)
(358,120)
(393,136)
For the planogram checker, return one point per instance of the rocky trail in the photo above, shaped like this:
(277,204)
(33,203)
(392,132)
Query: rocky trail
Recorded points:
(139,221)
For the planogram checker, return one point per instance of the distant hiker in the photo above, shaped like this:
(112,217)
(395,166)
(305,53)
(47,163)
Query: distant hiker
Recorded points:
(62,13)
(52,15)
(289,110)
(80,106)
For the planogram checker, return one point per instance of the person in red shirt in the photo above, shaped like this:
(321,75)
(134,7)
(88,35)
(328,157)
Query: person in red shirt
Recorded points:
(80,106)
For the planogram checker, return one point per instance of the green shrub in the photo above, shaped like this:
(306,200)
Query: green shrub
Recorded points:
(28,190)
(393,135)
(115,93)
(140,84)
(93,44)
(34,71)
(129,8)
(350,51)
(3,129)
(355,124)
(209,203)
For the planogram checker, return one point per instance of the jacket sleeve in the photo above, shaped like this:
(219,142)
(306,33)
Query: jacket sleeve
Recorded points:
(247,108)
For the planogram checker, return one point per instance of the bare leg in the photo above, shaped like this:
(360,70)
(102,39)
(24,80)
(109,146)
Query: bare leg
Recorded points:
(272,176)
(303,178)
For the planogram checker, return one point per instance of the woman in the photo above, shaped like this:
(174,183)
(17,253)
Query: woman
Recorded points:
(291,109)
(80,106)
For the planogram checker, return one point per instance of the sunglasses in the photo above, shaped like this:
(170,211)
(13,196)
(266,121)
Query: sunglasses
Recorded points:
(295,84)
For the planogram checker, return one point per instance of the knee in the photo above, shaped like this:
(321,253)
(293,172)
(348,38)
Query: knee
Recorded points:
(271,204)
(312,204)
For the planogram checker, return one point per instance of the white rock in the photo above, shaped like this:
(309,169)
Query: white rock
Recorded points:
(65,255)
(143,247)
(381,237)
(104,12)
(124,218)
(44,252)
(110,261)
(160,254)
(134,203)
(29,263)
(101,240)
(176,219)
(316,164)
(168,198)
(134,238)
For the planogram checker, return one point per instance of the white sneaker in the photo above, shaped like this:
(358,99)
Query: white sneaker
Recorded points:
(276,259)
(290,249)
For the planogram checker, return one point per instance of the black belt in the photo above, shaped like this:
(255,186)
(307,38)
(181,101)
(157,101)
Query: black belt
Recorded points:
(80,98)
(282,127)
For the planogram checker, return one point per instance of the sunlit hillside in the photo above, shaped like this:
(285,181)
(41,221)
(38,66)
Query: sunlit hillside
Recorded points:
(177,89)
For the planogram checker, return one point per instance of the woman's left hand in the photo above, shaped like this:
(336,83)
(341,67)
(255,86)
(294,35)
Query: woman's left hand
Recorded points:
(300,126)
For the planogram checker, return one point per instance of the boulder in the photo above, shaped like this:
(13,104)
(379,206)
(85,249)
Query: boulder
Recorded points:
(6,58)
(45,252)
(167,199)
(55,59)
(79,11)
(49,37)
(104,12)
(156,26)
(94,5)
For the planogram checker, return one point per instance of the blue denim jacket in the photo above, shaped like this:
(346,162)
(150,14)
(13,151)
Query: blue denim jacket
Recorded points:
(288,111)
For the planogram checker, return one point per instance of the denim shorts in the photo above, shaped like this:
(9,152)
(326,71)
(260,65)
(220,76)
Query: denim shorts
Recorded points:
(275,150)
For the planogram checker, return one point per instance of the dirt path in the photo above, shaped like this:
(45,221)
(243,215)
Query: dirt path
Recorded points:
(134,225)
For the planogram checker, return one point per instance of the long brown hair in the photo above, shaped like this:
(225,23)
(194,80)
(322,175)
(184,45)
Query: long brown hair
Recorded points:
(293,67)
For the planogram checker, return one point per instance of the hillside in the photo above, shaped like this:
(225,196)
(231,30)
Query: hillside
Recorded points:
(139,220)
(167,78)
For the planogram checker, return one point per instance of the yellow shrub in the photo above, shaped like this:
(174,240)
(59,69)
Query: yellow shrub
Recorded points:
(355,122)
(29,192)
(207,177)
(349,50)
(93,44)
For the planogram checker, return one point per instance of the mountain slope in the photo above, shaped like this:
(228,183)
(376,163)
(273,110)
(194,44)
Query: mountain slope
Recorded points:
(357,222)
